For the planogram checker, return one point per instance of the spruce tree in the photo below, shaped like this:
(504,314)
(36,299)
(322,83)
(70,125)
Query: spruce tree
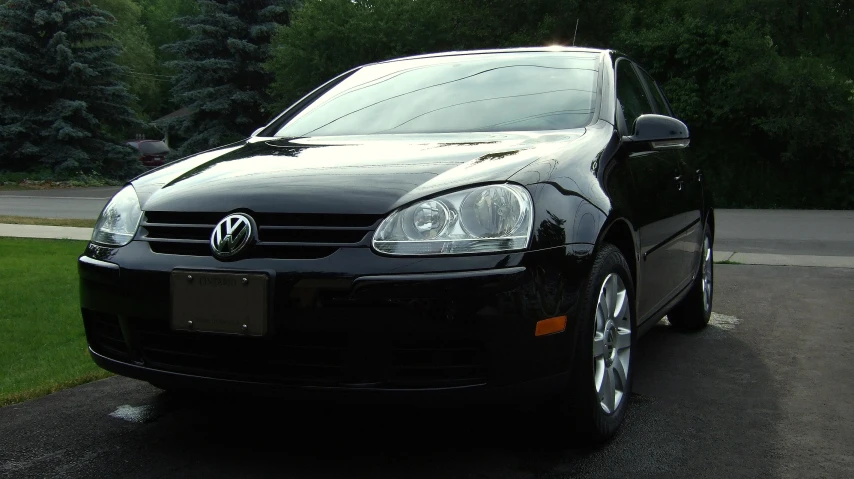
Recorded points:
(219,72)
(62,101)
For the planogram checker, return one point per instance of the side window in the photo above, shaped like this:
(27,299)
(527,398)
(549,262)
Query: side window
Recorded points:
(631,94)
(657,96)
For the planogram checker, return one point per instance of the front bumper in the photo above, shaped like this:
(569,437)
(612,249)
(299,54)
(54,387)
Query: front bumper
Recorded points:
(351,323)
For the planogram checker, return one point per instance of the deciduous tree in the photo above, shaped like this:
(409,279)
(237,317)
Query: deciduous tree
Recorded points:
(137,54)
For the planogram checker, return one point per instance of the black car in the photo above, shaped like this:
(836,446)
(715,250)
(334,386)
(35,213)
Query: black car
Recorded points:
(467,226)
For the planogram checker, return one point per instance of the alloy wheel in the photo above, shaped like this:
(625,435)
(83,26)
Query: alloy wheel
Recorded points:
(707,275)
(612,341)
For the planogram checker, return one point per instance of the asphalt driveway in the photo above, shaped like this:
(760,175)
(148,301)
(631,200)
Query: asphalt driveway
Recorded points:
(766,390)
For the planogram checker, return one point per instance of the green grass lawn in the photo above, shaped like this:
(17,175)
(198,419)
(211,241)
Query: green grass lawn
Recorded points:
(42,343)
(13,188)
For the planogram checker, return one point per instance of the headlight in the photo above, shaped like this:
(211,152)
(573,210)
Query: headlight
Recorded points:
(119,220)
(480,220)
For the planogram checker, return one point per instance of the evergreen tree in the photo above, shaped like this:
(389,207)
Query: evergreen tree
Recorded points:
(219,73)
(62,101)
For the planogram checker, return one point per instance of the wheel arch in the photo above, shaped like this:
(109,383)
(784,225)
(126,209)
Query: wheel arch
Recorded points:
(620,233)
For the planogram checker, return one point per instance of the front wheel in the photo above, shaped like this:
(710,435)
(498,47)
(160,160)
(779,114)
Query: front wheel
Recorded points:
(601,375)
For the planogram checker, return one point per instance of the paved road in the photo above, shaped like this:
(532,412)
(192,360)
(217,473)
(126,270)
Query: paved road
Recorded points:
(75,203)
(822,233)
(767,390)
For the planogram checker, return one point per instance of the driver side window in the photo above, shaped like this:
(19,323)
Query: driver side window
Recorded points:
(631,94)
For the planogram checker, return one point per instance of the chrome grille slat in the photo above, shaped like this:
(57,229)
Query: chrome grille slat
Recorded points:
(175,240)
(311,236)
(262,244)
(321,228)
(169,225)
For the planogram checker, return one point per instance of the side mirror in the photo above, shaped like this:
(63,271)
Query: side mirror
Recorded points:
(658,132)
(255,133)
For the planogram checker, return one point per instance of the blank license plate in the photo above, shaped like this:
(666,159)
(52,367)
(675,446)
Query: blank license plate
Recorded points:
(214,302)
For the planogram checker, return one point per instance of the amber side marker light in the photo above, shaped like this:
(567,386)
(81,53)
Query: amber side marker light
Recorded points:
(550,326)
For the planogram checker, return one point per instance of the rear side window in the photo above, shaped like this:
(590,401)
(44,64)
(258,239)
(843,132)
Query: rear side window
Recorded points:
(657,96)
(630,92)
(153,148)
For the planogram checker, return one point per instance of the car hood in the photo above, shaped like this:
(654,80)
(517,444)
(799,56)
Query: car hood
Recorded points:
(370,174)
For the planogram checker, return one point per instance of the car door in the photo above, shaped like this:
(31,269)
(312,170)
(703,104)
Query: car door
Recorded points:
(656,206)
(690,203)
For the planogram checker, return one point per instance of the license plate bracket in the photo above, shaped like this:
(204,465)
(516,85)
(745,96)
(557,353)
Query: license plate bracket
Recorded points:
(219,302)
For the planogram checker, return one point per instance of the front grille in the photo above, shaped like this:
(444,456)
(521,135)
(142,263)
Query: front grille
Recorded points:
(105,334)
(280,235)
(315,358)
(296,356)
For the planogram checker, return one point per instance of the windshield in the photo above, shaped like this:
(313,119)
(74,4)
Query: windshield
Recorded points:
(486,92)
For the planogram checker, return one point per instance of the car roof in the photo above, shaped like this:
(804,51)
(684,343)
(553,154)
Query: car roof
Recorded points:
(555,48)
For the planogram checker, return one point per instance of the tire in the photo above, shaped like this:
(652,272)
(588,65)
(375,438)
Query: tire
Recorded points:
(694,311)
(594,410)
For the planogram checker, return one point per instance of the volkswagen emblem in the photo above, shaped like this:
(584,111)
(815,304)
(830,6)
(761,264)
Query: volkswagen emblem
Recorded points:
(231,235)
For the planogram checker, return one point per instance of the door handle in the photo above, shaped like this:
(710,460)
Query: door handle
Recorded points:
(679,182)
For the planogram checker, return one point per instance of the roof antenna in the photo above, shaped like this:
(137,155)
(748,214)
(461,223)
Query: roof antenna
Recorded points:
(576,31)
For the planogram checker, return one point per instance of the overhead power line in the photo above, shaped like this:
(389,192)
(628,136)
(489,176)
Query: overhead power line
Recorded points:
(151,74)
(146,77)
